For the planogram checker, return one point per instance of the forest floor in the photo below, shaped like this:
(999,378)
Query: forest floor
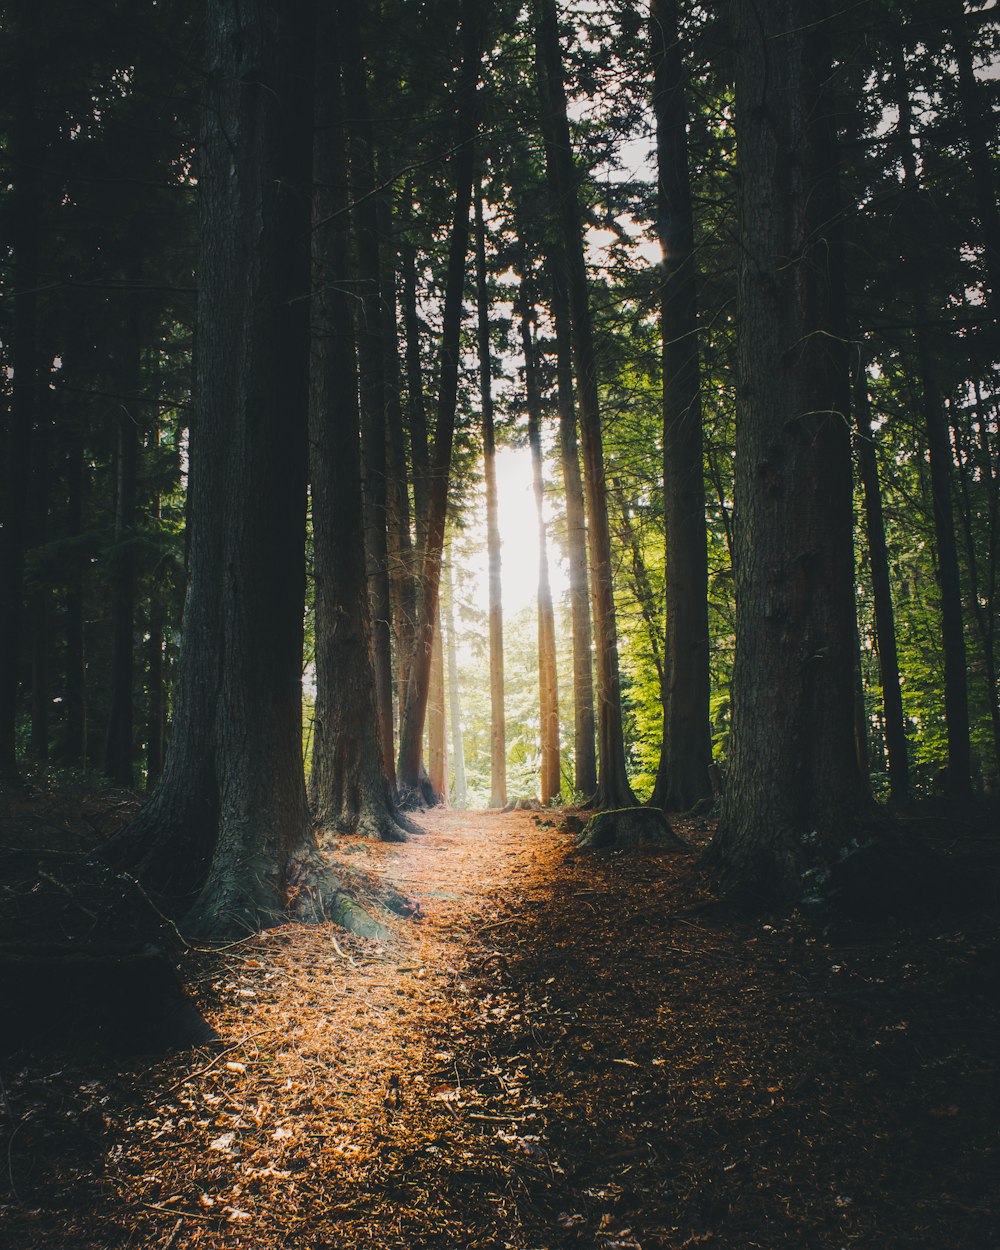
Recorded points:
(557,1049)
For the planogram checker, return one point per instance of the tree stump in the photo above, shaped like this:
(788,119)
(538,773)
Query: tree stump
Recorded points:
(629,828)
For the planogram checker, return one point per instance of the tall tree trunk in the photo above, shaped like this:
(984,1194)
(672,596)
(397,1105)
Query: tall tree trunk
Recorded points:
(683,778)
(74,689)
(956,696)
(415,707)
(371,362)
(460,796)
(26,152)
(498,725)
(584,750)
(349,787)
(229,818)
(437,736)
(548,690)
(794,795)
(885,620)
(39,600)
(613,789)
(119,748)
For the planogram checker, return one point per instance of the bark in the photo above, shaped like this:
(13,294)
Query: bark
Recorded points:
(885,620)
(498,727)
(411,729)
(460,796)
(229,822)
(794,796)
(26,152)
(613,789)
(584,751)
(415,406)
(682,779)
(371,371)
(548,690)
(349,788)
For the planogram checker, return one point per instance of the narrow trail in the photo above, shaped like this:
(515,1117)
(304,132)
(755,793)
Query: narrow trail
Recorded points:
(557,1049)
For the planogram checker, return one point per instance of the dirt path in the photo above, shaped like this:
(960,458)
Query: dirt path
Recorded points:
(557,1050)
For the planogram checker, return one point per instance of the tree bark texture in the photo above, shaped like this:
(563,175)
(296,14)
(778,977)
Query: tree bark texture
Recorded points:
(349,788)
(613,789)
(229,818)
(794,796)
(498,725)
(686,753)
(415,707)
(437,729)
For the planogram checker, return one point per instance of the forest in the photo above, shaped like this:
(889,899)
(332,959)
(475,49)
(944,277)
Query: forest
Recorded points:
(500,564)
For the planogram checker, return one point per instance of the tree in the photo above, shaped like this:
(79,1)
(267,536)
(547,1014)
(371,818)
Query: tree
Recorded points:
(227,831)
(498,734)
(349,787)
(686,752)
(794,795)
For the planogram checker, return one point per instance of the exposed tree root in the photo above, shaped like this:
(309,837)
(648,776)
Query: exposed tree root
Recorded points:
(629,828)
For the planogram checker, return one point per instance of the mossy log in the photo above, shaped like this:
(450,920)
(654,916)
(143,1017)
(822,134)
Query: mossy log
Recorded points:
(628,828)
(126,1000)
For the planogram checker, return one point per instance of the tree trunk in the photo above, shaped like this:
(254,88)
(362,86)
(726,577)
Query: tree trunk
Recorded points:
(437,736)
(231,803)
(498,726)
(613,789)
(794,796)
(885,621)
(119,748)
(371,371)
(548,690)
(349,788)
(682,779)
(460,796)
(40,593)
(415,707)
(74,689)
(584,751)
(25,206)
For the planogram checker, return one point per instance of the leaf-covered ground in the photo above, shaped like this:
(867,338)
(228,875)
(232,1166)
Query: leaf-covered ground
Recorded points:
(557,1049)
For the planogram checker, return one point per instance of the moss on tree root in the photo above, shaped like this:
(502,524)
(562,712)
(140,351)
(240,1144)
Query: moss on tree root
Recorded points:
(629,828)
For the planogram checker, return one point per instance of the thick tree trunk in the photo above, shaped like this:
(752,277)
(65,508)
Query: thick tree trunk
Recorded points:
(613,789)
(794,796)
(371,372)
(885,620)
(686,754)
(460,795)
(349,788)
(414,710)
(232,803)
(498,725)
(74,689)
(584,750)
(548,689)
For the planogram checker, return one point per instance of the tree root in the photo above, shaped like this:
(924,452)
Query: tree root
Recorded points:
(628,828)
